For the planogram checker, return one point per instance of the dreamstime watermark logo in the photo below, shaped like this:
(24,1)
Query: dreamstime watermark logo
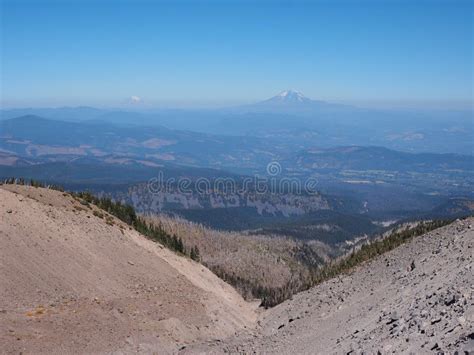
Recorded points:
(274,168)
(273,183)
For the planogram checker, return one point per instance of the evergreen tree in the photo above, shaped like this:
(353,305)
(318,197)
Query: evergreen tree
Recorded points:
(195,253)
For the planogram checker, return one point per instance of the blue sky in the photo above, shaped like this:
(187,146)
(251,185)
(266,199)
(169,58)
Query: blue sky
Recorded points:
(101,53)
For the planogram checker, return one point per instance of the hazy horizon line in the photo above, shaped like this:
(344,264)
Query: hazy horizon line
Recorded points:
(147,105)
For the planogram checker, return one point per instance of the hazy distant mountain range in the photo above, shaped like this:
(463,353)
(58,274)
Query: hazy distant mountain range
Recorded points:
(295,119)
(371,167)
(33,137)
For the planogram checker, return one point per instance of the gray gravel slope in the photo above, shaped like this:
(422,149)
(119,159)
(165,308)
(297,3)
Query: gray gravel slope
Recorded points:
(382,306)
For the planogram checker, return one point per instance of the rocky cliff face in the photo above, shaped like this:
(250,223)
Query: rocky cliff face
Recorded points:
(284,204)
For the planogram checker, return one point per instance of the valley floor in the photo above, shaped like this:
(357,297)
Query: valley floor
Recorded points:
(415,299)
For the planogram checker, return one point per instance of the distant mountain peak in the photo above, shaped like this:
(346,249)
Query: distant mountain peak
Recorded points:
(291,102)
(290,96)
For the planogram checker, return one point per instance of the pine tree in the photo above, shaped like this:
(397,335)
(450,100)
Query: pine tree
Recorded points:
(195,253)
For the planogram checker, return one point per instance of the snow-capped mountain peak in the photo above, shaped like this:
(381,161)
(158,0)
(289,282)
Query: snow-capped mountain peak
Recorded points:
(291,101)
(290,96)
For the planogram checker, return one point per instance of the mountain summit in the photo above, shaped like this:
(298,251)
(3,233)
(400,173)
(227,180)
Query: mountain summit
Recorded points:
(291,102)
(288,99)
(292,96)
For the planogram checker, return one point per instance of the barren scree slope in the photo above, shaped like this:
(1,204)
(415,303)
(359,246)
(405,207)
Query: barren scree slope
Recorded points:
(70,282)
(415,299)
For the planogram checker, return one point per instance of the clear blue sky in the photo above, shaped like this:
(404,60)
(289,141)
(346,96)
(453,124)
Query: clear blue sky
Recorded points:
(102,53)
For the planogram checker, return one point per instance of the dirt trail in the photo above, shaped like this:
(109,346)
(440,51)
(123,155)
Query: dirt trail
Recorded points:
(415,299)
(70,282)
